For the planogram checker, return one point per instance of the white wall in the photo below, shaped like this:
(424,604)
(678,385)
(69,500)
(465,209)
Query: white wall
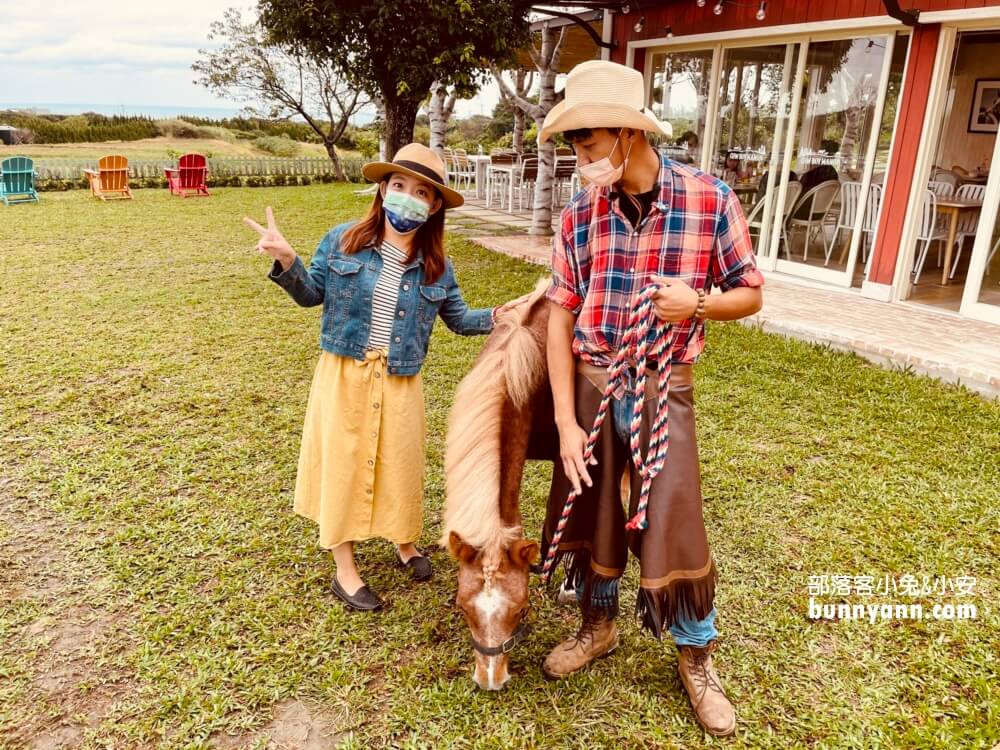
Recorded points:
(958,146)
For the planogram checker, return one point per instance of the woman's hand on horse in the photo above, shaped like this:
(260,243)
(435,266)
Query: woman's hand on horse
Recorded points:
(674,301)
(513,303)
(271,242)
(572,442)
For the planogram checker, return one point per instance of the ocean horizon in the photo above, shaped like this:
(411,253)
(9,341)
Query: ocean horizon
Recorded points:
(155,111)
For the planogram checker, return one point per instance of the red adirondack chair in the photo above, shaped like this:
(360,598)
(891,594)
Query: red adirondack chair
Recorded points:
(110,180)
(188,177)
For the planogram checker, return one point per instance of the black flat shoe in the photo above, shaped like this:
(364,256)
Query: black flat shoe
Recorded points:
(419,565)
(363,600)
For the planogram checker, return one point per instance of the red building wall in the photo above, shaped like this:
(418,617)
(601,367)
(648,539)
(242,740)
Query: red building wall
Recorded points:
(685,17)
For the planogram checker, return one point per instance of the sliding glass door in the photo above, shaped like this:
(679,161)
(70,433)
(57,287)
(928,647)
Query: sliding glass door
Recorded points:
(830,148)
(752,116)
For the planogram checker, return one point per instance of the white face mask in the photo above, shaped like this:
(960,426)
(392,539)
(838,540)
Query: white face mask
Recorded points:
(602,172)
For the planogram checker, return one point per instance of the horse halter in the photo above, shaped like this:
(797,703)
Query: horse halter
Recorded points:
(519,634)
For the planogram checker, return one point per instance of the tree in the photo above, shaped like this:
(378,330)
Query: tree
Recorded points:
(523,81)
(546,59)
(278,81)
(396,49)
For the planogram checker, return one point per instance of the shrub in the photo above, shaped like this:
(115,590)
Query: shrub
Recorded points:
(277,145)
(366,141)
(176,128)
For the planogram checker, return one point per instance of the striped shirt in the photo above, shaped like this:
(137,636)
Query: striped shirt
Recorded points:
(386,296)
(695,232)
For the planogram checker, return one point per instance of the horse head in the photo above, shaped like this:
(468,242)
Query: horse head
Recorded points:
(493,596)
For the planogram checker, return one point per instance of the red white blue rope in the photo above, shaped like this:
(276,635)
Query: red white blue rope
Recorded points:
(635,346)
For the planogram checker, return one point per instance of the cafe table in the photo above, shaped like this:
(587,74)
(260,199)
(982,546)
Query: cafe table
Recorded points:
(951,206)
(482,163)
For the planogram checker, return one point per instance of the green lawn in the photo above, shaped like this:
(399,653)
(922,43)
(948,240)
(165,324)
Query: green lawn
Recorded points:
(157,591)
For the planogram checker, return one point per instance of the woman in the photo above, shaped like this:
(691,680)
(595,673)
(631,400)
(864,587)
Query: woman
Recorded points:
(382,282)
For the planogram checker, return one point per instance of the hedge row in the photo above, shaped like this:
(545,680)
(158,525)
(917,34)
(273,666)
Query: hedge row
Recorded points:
(88,128)
(277,180)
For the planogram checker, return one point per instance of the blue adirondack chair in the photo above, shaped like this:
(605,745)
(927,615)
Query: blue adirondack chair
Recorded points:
(17,180)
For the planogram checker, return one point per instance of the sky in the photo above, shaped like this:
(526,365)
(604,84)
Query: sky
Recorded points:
(119,52)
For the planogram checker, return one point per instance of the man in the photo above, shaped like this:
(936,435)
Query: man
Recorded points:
(643,219)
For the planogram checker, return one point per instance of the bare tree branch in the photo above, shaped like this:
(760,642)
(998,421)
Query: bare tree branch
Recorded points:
(278,81)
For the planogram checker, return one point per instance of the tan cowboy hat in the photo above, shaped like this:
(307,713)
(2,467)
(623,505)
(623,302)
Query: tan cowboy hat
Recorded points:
(601,94)
(417,161)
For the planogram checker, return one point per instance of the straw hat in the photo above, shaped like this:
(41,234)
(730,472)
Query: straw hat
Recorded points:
(601,94)
(417,161)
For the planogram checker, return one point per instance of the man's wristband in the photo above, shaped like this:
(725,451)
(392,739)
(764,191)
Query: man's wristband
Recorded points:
(699,311)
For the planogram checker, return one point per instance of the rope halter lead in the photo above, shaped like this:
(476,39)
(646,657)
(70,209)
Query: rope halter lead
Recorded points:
(635,345)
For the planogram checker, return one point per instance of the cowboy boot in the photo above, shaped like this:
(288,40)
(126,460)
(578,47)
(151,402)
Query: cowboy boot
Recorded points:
(711,706)
(597,637)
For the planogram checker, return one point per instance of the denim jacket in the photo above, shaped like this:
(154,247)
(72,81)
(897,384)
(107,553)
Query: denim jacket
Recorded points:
(344,285)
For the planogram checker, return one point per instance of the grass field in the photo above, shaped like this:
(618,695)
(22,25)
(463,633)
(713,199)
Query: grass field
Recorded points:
(156,590)
(152,148)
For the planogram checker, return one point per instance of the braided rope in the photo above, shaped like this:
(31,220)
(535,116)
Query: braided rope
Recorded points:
(641,319)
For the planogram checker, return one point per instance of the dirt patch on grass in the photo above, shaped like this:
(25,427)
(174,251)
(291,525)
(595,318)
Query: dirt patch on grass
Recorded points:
(60,624)
(295,726)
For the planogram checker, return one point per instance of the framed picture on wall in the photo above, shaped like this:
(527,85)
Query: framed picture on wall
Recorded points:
(985,114)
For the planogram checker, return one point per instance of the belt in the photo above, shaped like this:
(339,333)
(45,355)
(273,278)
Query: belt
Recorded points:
(680,375)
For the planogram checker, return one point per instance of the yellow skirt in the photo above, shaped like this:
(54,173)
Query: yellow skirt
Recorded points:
(361,465)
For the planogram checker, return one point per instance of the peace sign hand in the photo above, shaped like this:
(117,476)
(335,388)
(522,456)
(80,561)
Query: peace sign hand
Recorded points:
(271,242)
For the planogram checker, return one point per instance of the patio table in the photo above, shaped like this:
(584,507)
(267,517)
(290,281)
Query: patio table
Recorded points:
(482,163)
(952,207)
(745,190)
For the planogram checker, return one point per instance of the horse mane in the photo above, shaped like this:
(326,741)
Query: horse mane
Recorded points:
(511,366)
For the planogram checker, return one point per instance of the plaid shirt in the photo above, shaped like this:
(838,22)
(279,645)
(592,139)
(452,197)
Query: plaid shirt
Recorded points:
(695,231)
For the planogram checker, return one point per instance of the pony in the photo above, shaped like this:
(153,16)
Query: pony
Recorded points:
(502,416)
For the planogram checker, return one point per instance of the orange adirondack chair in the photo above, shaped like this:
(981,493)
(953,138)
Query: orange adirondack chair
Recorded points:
(188,177)
(110,180)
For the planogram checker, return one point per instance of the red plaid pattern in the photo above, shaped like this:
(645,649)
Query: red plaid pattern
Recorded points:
(695,231)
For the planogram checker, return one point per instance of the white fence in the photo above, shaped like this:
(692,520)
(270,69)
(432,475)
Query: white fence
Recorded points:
(71,169)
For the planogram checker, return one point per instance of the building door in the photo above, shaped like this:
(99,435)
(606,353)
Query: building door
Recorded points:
(750,121)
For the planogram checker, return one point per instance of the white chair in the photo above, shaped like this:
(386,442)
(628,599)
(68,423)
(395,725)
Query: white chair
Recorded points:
(817,203)
(755,219)
(526,176)
(869,225)
(562,178)
(968,221)
(946,176)
(941,188)
(463,170)
(499,177)
(850,201)
(930,231)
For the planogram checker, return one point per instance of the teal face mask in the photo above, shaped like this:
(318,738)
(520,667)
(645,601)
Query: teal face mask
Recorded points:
(405,213)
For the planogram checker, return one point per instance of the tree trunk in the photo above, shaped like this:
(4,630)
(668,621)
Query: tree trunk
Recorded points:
(400,117)
(338,165)
(439,113)
(518,142)
(541,215)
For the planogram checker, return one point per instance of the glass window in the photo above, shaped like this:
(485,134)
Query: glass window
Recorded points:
(679,95)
